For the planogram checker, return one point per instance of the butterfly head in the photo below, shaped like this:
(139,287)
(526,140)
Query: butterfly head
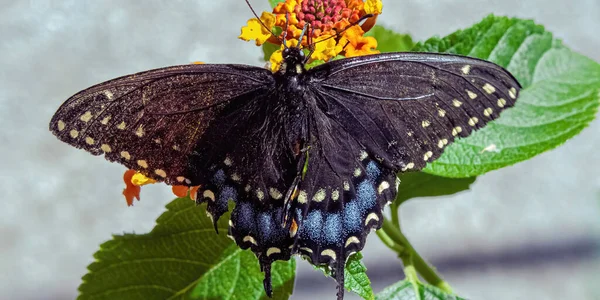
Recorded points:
(293,61)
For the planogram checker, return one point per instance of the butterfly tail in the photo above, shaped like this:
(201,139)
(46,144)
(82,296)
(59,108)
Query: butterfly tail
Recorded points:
(265,266)
(339,278)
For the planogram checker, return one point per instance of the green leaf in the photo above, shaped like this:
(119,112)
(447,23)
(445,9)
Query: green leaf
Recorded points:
(355,274)
(405,290)
(389,41)
(559,99)
(274,2)
(268,50)
(420,184)
(181,258)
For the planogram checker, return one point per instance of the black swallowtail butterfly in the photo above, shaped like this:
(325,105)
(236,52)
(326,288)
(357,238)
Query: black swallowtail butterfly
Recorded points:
(308,156)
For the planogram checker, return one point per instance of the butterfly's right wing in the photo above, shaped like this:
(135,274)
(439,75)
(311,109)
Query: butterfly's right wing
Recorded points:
(406,108)
(152,121)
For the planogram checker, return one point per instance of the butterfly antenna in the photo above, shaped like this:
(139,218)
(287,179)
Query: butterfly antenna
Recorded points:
(261,22)
(302,35)
(311,46)
(287,20)
(348,27)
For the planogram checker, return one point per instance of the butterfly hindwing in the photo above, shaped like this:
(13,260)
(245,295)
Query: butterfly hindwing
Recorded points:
(151,121)
(408,107)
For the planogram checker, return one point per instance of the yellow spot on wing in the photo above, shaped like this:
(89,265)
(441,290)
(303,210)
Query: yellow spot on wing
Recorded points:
(473,121)
(160,172)
(74,133)
(121,125)
(427,156)
(142,163)
(352,240)
(425,123)
(335,195)
(501,102)
(60,125)
(471,94)
(106,148)
(209,194)
(273,250)
(512,93)
(89,140)
(250,239)
(302,197)
(456,103)
(466,69)
(125,155)
(319,195)
(383,186)
(275,193)
(456,130)
(86,117)
(488,88)
(371,216)
(140,131)
(488,112)
(330,253)
(105,120)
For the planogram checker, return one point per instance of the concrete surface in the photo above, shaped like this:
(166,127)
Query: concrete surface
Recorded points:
(525,232)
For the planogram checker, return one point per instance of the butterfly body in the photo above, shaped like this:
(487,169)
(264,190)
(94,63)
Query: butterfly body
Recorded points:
(309,157)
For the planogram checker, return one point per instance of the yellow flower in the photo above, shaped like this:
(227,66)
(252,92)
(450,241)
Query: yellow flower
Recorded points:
(373,7)
(326,49)
(254,30)
(140,179)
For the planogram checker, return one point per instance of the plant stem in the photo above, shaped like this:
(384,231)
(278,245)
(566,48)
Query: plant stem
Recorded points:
(415,261)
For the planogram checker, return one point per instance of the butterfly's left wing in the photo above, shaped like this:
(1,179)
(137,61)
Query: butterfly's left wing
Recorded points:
(406,108)
(152,121)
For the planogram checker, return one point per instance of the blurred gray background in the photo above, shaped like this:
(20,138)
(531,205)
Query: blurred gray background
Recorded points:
(525,232)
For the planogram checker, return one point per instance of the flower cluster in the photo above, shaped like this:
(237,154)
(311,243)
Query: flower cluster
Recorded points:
(332,28)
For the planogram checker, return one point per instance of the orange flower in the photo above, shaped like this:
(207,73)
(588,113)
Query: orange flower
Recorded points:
(355,44)
(182,191)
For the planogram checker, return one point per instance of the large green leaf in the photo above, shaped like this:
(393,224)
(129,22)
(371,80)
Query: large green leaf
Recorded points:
(405,290)
(559,99)
(181,258)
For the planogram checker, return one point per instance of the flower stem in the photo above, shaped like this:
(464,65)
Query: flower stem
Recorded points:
(395,240)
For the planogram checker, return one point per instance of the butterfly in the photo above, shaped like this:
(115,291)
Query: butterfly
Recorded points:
(309,157)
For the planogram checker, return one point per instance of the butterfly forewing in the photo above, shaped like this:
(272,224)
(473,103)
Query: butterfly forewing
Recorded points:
(407,107)
(152,121)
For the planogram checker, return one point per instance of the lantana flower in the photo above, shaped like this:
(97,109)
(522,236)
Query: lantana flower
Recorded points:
(332,28)
(134,180)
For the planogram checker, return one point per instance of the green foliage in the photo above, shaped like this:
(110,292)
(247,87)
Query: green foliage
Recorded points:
(419,184)
(181,258)
(559,99)
(268,50)
(405,290)
(274,2)
(389,41)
